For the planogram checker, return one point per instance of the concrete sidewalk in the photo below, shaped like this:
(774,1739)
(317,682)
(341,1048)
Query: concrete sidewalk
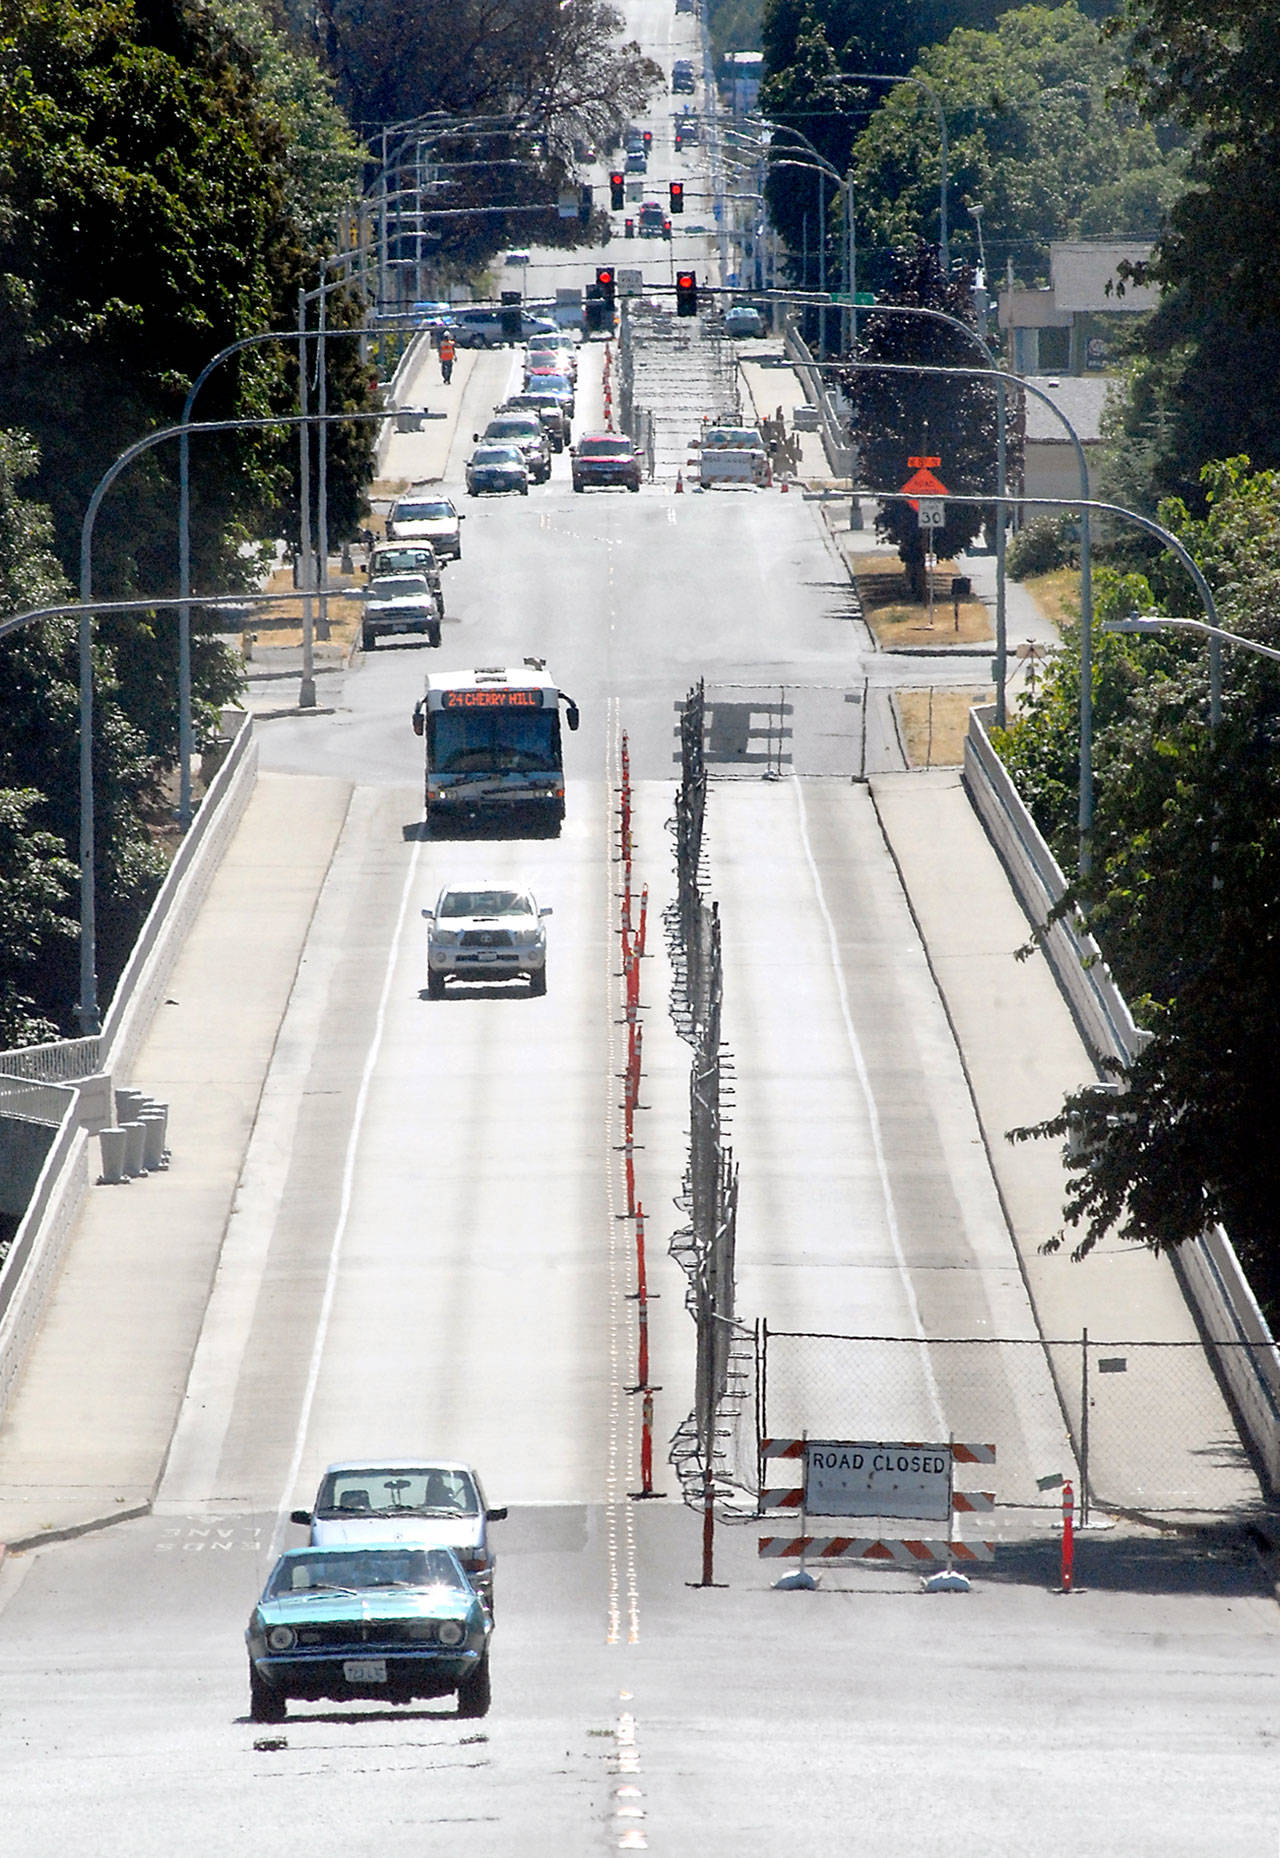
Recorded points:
(84,1438)
(1162,1423)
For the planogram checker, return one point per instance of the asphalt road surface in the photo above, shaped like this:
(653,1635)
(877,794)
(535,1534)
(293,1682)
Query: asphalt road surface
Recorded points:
(426,1256)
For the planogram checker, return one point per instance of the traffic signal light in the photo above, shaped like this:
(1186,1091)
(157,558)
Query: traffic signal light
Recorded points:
(617,191)
(686,293)
(648,140)
(677,197)
(594,310)
(512,316)
(606,279)
(586,201)
(628,228)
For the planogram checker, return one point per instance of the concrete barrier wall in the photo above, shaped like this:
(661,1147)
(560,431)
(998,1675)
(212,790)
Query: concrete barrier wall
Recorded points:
(36,1254)
(1210,1273)
(142,985)
(834,443)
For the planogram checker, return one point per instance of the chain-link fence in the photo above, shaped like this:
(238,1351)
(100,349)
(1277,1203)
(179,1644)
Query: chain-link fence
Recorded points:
(725,1385)
(1140,1426)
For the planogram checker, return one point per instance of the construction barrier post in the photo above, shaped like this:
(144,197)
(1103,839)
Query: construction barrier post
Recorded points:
(1068,1535)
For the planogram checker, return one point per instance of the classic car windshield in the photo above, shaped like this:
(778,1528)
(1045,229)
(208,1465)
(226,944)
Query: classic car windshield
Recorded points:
(369,1491)
(322,1571)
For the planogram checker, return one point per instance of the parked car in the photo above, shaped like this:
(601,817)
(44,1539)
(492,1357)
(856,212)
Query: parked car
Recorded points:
(396,603)
(420,515)
(550,410)
(525,430)
(433,316)
(497,468)
(480,933)
(430,1502)
(741,319)
(544,377)
(386,1623)
(603,458)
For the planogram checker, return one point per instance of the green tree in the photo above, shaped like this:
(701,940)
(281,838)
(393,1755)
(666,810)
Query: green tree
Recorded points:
(1213,387)
(1184,895)
(1040,141)
(896,417)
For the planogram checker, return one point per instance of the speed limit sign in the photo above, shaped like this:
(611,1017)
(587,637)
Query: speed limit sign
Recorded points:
(931,513)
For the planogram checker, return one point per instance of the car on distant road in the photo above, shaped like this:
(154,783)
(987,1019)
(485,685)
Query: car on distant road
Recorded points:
(431,1502)
(486,933)
(433,316)
(381,1622)
(561,347)
(518,257)
(550,411)
(636,162)
(482,326)
(420,515)
(544,377)
(682,78)
(495,469)
(604,458)
(398,603)
(742,319)
(528,432)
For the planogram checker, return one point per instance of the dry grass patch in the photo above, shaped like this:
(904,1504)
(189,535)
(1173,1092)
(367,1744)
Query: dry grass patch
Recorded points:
(281,622)
(934,723)
(896,619)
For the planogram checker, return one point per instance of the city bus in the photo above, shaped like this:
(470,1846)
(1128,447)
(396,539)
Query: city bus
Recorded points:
(493,748)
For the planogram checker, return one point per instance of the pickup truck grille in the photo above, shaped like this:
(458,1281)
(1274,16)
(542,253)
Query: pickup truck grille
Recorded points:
(485,938)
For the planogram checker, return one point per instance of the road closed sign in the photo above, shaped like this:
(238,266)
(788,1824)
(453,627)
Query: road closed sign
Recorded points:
(844,1478)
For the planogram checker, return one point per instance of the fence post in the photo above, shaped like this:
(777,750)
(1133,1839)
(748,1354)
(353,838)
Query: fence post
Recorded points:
(1084,1427)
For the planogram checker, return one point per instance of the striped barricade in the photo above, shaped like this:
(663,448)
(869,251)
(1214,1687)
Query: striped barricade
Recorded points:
(908,1553)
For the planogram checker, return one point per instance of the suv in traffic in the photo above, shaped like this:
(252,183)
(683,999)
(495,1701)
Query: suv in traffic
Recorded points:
(420,515)
(603,458)
(399,603)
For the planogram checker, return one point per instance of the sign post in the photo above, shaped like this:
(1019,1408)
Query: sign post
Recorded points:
(927,494)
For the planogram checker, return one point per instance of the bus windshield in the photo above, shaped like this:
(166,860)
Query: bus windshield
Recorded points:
(483,741)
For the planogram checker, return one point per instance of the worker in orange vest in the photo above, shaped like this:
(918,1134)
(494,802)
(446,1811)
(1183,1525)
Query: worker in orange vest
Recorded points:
(447,352)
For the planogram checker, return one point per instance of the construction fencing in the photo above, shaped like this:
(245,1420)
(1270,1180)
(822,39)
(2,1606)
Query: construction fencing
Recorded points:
(1081,1408)
(706,1450)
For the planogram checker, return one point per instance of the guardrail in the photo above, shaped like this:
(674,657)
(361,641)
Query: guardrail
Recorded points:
(1211,1275)
(840,454)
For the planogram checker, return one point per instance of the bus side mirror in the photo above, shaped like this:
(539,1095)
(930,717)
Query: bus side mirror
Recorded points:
(571,716)
(419,724)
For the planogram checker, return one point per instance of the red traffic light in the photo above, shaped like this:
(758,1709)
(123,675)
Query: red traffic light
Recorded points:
(605,276)
(677,196)
(686,293)
(648,140)
(617,190)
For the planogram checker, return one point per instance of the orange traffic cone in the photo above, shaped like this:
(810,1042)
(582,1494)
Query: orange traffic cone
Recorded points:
(679,482)
(785,486)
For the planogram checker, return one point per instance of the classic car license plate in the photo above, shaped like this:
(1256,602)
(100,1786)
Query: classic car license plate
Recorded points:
(365,1670)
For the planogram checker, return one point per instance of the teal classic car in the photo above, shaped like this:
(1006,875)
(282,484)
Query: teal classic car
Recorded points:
(382,1623)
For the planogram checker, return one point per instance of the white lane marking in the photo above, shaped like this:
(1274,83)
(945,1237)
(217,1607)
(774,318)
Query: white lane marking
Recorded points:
(344,1205)
(630,1798)
(873,1115)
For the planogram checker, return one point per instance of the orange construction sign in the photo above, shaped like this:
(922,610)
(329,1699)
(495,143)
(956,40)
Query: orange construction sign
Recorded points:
(922,482)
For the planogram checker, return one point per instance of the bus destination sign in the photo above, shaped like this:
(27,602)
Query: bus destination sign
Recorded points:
(491,697)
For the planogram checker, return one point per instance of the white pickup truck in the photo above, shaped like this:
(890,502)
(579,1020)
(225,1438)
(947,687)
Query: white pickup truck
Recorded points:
(731,455)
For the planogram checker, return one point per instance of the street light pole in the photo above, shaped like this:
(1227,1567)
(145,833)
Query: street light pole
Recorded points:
(889,77)
(307,687)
